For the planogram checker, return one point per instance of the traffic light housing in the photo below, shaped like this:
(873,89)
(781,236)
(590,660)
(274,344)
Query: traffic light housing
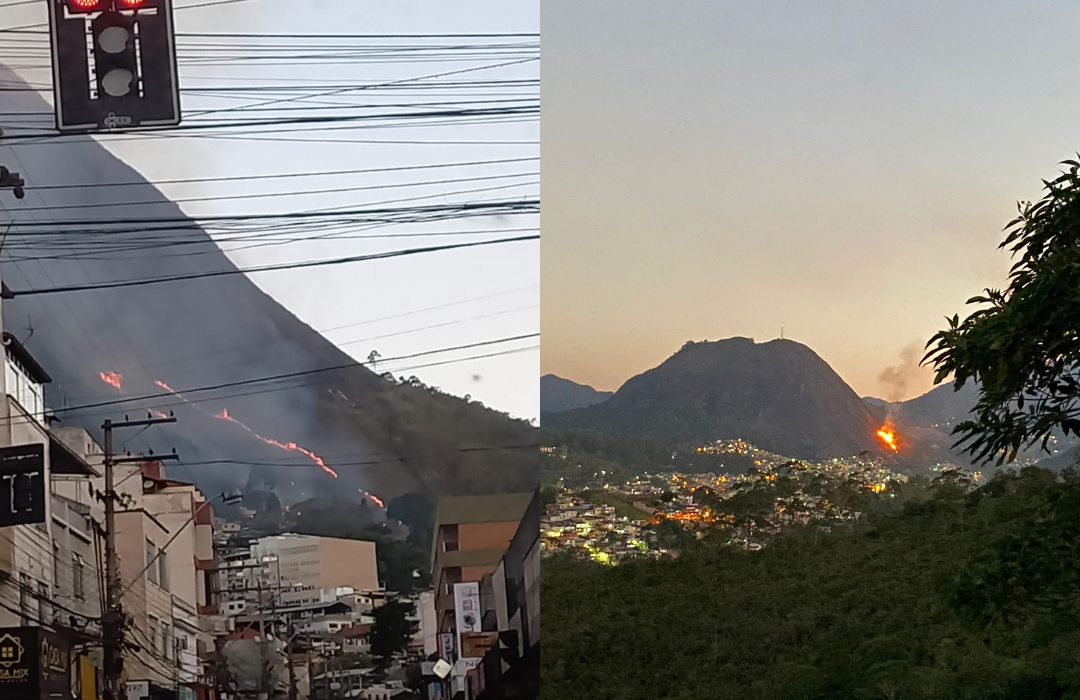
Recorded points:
(114,64)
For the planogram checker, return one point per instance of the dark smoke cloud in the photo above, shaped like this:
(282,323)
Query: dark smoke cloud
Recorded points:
(899,381)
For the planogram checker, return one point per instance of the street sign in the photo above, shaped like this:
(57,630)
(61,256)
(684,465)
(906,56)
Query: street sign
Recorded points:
(446,645)
(114,65)
(22,484)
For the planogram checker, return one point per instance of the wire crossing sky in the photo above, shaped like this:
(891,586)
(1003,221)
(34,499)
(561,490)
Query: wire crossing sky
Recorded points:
(343,132)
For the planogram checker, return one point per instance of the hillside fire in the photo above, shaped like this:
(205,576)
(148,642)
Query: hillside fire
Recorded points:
(224,415)
(887,433)
(287,446)
(112,379)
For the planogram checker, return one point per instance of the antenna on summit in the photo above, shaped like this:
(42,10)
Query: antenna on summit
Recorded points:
(781,332)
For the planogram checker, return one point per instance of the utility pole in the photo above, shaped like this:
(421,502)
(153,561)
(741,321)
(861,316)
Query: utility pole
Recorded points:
(288,660)
(113,621)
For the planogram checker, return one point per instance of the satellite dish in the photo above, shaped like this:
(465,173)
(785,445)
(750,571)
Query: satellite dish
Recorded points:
(441,668)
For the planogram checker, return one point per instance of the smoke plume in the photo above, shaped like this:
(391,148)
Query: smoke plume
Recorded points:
(907,378)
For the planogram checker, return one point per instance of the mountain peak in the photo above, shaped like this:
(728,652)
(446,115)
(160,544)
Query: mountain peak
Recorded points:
(778,394)
(558,394)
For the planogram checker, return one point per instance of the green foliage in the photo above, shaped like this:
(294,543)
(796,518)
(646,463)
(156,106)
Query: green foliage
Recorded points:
(1023,345)
(392,630)
(397,559)
(417,512)
(938,593)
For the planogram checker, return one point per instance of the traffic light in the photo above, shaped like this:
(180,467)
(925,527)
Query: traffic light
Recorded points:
(114,64)
(84,6)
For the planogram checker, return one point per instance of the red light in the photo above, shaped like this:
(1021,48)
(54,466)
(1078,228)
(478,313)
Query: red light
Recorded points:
(86,4)
(131,3)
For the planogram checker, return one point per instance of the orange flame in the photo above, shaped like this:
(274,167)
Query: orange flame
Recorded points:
(887,433)
(158,413)
(287,446)
(112,379)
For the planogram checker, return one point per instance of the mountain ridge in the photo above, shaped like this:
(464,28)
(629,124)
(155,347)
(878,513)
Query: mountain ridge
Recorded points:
(558,394)
(779,395)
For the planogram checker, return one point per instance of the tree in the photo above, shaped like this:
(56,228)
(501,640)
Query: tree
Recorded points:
(1023,346)
(392,630)
(416,511)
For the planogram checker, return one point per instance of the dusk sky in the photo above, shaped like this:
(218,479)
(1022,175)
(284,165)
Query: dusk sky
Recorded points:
(843,169)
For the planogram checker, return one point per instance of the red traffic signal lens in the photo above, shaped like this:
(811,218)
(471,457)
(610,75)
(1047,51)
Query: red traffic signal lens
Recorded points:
(85,5)
(131,3)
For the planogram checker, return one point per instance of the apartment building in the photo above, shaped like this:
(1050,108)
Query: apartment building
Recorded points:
(48,575)
(164,543)
(471,535)
(321,562)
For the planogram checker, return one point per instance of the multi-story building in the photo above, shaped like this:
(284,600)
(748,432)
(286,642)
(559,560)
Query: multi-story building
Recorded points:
(164,543)
(47,566)
(321,562)
(510,643)
(471,535)
(485,568)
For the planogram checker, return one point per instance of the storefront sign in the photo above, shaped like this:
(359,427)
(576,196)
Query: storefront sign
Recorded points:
(22,484)
(34,664)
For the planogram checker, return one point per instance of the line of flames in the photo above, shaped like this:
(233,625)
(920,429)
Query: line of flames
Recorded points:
(115,379)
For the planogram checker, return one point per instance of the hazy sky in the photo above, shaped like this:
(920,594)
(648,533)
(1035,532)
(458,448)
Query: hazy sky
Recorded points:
(843,169)
(506,276)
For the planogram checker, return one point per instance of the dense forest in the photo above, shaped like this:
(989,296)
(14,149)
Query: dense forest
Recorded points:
(938,591)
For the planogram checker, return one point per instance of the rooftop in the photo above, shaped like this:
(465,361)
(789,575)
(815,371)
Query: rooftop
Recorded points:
(492,508)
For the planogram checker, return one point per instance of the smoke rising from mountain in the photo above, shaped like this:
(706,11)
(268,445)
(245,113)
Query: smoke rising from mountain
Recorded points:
(907,378)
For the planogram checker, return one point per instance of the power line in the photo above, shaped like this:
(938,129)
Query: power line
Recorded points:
(266,268)
(290,375)
(274,176)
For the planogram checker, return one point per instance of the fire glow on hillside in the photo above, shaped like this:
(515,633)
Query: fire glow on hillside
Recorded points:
(287,446)
(114,379)
(887,433)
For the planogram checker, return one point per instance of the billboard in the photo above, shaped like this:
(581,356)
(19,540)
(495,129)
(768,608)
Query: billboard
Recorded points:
(34,664)
(466,615)
(22,484)
(467,608)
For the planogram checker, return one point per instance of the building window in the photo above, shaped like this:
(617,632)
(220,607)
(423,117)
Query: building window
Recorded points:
(152,629)
(56,564)
(163,570)
(44,612)
(24,598)
(78,580)
(151,553)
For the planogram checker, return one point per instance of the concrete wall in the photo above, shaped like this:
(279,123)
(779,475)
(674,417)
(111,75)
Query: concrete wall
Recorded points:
(323,562)
(348,563)
(486,535)
(173,509)
(144,600)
